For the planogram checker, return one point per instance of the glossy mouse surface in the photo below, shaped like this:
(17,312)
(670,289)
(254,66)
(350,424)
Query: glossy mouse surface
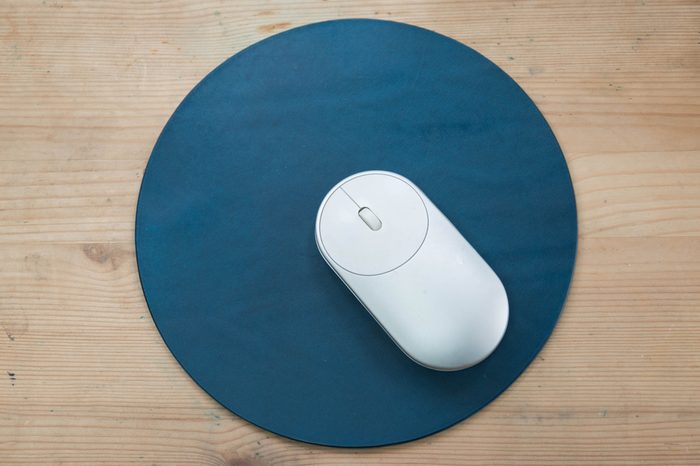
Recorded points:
(427,287)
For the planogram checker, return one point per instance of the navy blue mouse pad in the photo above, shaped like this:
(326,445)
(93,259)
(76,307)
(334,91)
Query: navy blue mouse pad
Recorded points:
(225,225)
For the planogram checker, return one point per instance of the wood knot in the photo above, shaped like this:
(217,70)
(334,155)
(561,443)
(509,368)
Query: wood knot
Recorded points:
(104,254)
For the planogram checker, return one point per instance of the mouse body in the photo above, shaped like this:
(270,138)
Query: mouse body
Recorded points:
(412,270)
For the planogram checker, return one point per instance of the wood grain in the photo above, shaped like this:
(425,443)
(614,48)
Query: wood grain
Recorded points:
(86,87)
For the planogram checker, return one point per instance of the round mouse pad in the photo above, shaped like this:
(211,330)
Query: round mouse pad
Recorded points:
(225,225)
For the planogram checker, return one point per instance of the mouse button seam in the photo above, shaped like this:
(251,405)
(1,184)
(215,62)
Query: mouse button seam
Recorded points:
(350,197)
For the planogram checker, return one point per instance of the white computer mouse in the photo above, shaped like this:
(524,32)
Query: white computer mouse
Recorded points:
(414,272)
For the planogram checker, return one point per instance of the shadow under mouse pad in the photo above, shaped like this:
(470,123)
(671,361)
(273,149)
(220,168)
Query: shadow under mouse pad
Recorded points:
(225,225)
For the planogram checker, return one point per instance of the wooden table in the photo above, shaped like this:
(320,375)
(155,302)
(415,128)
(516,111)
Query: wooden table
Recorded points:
(85,89)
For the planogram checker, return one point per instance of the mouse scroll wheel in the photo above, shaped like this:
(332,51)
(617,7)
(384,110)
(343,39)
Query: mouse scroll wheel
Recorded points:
(370,219)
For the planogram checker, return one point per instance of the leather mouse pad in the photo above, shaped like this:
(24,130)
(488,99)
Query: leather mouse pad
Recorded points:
(225,225)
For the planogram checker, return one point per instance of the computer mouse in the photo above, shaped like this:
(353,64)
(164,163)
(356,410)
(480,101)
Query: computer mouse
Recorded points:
(413,271)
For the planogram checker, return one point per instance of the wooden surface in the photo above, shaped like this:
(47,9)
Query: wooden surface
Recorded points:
(85,89)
